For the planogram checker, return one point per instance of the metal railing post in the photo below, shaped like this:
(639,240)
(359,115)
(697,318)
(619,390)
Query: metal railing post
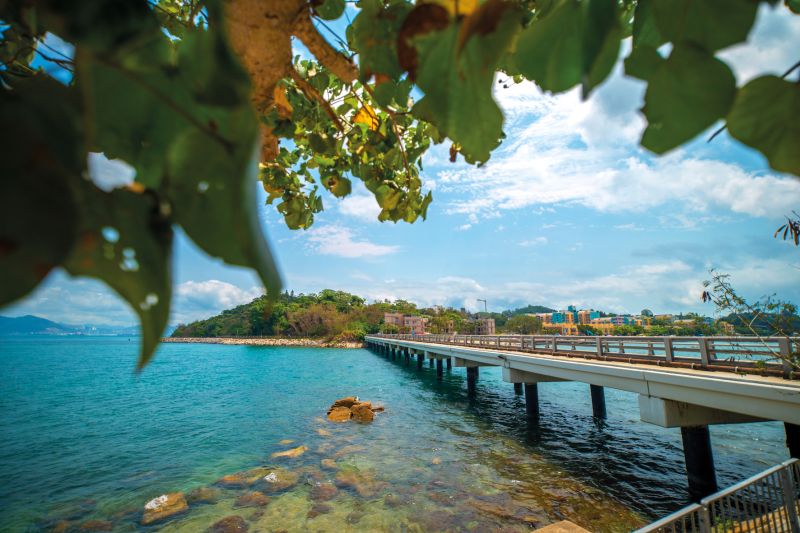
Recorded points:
(704,360)
(668,349)
(599,346)
(790,499)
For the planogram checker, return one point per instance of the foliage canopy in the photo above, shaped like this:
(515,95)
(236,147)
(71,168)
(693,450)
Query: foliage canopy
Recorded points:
(202,99)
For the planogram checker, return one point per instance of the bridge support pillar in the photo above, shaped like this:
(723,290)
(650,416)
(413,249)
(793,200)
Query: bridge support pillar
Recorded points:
(449,363)
(793,439)
(439,367)
(420,359)
(408,358)
(532,399)
(517,388)
(430,362)
(598,401)
(472,378)
(699,461)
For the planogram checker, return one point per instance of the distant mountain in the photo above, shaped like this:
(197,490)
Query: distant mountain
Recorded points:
(29,324)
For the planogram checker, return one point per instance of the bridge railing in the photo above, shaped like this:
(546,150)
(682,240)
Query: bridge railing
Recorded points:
(766,502)
(764,355)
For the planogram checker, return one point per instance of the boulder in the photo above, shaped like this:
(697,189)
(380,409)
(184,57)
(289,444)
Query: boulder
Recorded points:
(318,509)
(345,402)
(363,483)
(278,479)
(330,464)
(164,506)
(203,495)
(229,524)
(339,414)
(62,526)
(252,499)
(321,492)
(350,449)
(362,412)
(294,452)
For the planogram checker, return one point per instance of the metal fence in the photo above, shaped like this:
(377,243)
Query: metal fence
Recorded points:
(765,355)
(766,502)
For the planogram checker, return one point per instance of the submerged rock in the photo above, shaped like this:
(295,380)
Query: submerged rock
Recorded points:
(286,442)
(203,495)
(252,499)
(278,479)
(294,452)
(62,526)
(163,507)
(96,525)
(318,509)
(363,483)
(243,479)
(323,491)
(330,464)
(323,432)
(229,524)
(350,449)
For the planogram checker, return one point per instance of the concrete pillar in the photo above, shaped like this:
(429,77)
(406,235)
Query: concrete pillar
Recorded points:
(408,358)
(699,462)
(472,378)
(517,388)
(449,363)
(439,367)
(532,399)
(430,362)
(420,359)
(793,439)
(598,401)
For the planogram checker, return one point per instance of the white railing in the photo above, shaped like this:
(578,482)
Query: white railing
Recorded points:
(764,355)
(766,502)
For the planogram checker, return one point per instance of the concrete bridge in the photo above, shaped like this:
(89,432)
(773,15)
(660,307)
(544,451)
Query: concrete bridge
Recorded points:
(682,382)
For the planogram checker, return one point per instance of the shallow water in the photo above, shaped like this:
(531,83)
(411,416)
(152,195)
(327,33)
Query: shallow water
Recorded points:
(82,437)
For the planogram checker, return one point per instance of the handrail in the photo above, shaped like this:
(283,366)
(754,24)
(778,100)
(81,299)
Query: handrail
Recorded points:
(761,355)
(766,502)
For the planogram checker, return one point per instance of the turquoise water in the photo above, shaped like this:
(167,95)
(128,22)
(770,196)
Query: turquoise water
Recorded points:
(82,437)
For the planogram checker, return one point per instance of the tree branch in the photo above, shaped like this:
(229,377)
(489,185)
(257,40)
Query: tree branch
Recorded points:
(341,66)
(312,94)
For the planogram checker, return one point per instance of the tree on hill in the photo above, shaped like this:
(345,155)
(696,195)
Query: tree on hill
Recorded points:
(202,98)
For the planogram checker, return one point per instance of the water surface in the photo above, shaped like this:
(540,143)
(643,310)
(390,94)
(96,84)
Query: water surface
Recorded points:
(82,437)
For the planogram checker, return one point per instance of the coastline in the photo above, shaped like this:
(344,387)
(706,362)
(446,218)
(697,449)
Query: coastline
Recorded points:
(266,341)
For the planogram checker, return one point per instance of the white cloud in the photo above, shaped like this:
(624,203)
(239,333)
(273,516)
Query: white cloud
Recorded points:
(361,206)
(211,296)
(340,241)
(562,151)
(537,241)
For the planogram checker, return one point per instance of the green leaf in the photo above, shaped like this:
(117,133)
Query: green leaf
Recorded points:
(38,213)
(764,117)
(456,81)
(576,42)
(329,9)
(794,5)
(373,35)
(643,62)
(645,29)
(126,242)
(710,24)
(685,95)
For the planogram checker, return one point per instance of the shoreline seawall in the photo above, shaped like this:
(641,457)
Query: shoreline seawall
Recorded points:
(266,341)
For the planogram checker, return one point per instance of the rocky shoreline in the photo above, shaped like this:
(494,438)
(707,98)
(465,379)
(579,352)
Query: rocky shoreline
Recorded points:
(266,341)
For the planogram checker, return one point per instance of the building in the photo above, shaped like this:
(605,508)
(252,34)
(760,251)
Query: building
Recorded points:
(484,326)
(394,319)
(586,316)
(414,324)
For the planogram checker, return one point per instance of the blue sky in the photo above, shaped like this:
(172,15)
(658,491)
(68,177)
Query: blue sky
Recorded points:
(569,210)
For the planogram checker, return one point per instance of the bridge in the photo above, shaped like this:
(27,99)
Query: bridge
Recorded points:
(682,382)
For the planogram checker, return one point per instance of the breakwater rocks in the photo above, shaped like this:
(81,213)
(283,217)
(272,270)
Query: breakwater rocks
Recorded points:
(266,341)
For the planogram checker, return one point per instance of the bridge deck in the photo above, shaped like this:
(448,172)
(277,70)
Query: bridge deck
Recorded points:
(768,397)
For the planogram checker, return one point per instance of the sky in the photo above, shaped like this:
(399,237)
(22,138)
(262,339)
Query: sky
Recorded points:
(568,211)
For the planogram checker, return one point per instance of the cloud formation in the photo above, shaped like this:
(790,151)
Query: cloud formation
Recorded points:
(341,242)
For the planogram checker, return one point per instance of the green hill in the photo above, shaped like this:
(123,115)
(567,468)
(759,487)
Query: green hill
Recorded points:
(29,325)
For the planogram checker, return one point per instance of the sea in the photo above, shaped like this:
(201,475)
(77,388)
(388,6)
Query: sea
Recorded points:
(86,442)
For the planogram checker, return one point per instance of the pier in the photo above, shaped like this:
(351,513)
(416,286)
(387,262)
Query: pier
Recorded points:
(682,382)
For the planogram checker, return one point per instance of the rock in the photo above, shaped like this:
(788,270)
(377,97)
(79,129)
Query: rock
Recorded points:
(339,414)
(362,412)
(345,402)
(354,517)
(62,526)
(278,479)
(252,499)
(256,515)
(285,442)
(364,484)
(229,524)
(349,450)
(393,500)
(243,479)
(323,432)
(435,521)
(330,464)
(163,507)
(203,495)
(96,525)
(318,509)
(436,461)
(325,447)
(294,452)
(321,492)
(378,409)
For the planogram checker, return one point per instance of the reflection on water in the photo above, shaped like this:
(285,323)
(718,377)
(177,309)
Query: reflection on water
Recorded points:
(83,439)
